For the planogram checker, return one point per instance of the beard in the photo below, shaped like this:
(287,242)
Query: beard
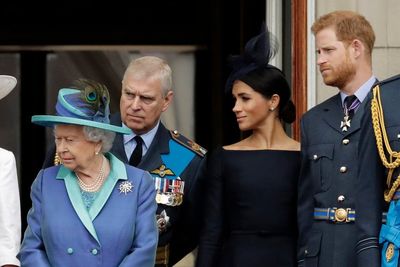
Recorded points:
(341,75)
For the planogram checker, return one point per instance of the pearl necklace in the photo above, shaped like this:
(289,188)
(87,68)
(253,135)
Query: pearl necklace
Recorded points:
(98,181)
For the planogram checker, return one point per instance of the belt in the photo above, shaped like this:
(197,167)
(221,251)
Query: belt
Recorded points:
(339,214)
(336,215)
(162,255)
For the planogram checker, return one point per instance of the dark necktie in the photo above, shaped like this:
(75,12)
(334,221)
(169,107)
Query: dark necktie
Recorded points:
(136,156)
(351,103)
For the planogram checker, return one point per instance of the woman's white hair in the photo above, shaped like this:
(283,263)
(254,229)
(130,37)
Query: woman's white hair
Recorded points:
(99,135)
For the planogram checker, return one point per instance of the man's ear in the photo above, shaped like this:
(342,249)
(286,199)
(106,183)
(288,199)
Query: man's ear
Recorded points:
(167,100)
(358,47)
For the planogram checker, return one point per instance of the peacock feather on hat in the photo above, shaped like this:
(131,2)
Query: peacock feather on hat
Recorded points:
(95,99)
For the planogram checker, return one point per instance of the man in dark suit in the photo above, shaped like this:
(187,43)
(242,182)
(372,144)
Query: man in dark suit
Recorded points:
(173,160)
(329,137)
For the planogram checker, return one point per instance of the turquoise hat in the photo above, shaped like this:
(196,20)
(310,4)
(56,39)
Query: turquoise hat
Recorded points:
(87,107)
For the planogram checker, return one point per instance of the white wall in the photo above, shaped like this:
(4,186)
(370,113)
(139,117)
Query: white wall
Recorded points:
(384,18)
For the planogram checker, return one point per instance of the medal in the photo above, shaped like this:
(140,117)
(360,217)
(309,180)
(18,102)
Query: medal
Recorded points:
(162,221)
(170,200)
(345,124)
(179,199)
(158,198)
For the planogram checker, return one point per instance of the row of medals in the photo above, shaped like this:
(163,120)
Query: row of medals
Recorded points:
(169,199)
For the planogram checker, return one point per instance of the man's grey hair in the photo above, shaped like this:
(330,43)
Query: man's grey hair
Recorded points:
(151,67)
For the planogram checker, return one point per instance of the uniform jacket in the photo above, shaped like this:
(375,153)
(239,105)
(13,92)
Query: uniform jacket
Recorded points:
(328,179)
(118,230)
(10,214)
(373,175)
(183,228)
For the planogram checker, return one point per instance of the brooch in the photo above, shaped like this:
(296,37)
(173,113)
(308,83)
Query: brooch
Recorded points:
(125,187)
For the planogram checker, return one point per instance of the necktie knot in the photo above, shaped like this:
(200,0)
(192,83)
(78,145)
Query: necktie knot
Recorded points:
(136,156)
(138,139)
(351,102)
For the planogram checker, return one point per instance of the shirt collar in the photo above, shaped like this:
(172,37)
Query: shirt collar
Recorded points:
(363,91)
(147,137)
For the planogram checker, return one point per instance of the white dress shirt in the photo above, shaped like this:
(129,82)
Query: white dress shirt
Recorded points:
(10,214)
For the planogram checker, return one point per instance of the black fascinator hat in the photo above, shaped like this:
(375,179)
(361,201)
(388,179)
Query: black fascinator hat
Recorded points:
(252,67)
(258,51)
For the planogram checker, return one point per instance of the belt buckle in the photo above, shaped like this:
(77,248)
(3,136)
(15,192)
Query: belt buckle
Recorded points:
(341,214)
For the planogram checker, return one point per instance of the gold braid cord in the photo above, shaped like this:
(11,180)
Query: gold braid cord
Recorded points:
(382,143)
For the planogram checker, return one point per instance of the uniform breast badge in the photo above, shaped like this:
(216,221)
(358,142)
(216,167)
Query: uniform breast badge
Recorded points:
(125,187)
(162,171)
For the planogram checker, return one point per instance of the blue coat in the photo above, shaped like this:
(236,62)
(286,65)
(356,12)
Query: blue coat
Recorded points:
(118,230)
(328,179)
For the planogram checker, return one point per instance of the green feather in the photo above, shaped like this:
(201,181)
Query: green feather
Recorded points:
(94,94)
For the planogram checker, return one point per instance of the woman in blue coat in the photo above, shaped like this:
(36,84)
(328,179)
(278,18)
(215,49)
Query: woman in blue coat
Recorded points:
(91,210)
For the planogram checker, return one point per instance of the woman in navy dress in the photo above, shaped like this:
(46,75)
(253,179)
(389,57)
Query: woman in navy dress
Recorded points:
(250,210)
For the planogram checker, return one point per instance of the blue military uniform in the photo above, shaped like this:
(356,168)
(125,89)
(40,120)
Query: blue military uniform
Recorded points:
(380,163)
(327,196)
(175,164)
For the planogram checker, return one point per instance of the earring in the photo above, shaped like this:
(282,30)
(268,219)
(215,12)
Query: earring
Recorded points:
(96,153)
(271,109)
(57,159)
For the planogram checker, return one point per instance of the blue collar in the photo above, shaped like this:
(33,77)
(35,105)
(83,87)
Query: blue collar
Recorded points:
(363,91)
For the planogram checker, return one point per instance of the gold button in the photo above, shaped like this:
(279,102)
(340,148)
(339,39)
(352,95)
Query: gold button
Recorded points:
(343,169)
(340,215)
(341,198)
(315,157)
(398,136)
(345,141)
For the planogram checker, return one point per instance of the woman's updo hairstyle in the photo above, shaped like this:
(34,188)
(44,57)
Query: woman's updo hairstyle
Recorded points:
(253,68)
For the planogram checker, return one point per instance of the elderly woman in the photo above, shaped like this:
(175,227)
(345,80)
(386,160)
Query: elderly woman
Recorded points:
(92,210)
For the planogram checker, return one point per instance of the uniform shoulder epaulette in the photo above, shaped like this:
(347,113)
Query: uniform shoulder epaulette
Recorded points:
(395,78)
(186,142)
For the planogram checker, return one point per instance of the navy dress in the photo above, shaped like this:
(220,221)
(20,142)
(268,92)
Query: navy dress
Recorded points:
(250,209)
